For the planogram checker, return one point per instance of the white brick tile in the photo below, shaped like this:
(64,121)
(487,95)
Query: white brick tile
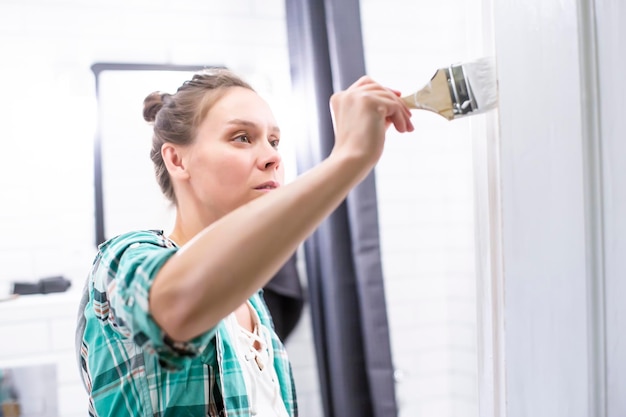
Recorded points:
(62,331)
(73,400)
(269,8)
(24,339)
(221,8)
(67,368)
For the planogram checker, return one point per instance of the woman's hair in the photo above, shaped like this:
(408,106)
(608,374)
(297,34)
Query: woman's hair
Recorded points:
(176,117)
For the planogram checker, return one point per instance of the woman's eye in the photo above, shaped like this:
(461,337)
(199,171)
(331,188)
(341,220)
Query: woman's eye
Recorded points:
(243,138)
(274,143)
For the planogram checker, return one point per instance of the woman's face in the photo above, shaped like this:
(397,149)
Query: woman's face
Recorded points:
(234,158)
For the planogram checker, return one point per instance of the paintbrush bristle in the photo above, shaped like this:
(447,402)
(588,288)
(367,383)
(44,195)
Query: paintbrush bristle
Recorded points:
(481,77)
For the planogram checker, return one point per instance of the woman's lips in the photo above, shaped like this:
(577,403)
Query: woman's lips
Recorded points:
(270,185)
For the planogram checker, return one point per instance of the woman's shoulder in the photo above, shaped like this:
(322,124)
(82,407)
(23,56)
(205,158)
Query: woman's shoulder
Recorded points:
(155,236)
(137,237)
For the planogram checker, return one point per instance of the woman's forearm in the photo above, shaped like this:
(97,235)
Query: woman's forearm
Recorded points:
(231,259)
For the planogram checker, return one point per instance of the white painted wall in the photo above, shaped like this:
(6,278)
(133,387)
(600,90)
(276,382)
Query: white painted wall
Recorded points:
(426,196)
(562,173)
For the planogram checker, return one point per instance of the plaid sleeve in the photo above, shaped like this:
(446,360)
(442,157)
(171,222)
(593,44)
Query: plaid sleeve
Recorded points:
(126,270)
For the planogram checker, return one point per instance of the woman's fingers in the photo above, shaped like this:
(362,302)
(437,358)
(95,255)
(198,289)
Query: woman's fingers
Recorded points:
(396,112)
(396,109)
(396,92)
(386,100)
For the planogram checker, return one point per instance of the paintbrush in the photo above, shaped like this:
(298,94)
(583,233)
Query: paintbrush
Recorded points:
(459,90)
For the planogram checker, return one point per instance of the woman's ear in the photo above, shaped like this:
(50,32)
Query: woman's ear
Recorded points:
(174,161)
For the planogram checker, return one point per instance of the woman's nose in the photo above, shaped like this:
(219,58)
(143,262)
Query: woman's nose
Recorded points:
(270,158)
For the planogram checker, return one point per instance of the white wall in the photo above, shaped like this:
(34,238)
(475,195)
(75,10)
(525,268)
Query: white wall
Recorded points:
(546,301)
(425,185)
(562,159)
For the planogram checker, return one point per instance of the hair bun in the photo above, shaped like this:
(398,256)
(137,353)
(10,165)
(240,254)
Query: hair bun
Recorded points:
(152,104)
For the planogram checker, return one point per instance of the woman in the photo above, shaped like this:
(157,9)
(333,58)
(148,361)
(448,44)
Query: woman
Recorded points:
(174,325)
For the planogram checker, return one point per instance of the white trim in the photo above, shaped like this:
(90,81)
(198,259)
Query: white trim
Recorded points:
(489,273)
(488,242)
(610,174)
(592,168)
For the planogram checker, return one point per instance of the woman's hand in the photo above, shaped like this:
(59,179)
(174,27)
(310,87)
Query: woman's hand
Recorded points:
(361,116)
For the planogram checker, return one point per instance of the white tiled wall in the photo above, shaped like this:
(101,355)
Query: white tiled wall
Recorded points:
(47,114)
(426,206)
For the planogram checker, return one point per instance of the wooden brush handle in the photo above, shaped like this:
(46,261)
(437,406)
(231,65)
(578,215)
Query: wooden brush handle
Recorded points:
(435,96)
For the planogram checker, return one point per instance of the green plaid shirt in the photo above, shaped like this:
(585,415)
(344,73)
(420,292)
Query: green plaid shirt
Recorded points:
(131,368)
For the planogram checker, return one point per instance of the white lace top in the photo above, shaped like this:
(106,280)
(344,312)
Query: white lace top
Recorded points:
(257,362)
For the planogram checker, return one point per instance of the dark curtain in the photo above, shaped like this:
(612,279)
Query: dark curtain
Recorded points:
(345,282)
(284,297)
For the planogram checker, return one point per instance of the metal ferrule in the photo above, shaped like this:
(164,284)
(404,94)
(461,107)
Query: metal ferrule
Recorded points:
(463,101)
